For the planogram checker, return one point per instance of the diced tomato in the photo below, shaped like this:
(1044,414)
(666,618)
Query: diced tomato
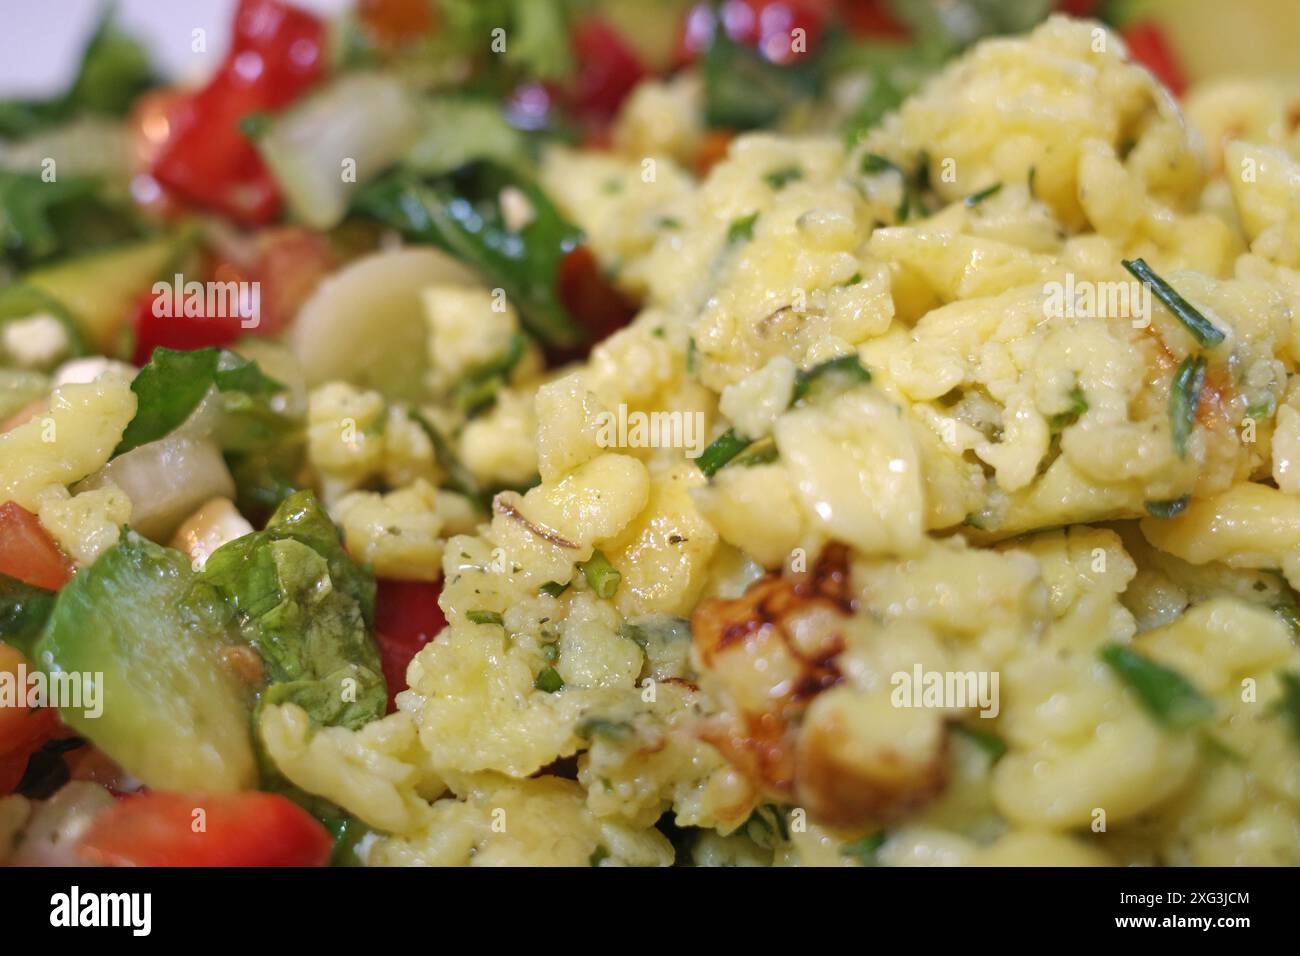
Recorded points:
(1079,8)
(291,262)
(22,729)
(27,552)
(768,26)
(276,54)
(395,22)
(870,18)
(233,829)
(599,308)
(608,69)
(1148,45)
(407,617)
(154,328)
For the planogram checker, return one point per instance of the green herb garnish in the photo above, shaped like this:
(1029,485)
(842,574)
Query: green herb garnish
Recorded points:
(989,742)
(484,617)
(1184,396)
(778,178)
(865,849)
(1165,694)
(1289,705)
(1167,509)
(548,680)
(553,588)
(1202,329)
(602,577)
(1078,405)
(723,448)
(830,377)
(974,199)
(742,229)
(613,730)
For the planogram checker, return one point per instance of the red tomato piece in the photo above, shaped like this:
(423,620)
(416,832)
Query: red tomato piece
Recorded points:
(1148,45)
(277,52)
(27,552)
(234,829)
(154,328)
(871,18)
(595,305)
(608,69)
(407,617)
(23,730)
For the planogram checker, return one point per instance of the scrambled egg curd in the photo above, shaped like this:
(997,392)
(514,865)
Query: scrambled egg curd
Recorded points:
(941,505)
(1019,490)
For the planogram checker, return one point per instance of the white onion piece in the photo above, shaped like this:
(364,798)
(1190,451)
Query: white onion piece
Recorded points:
(166,481)
(366,325)
(57,825)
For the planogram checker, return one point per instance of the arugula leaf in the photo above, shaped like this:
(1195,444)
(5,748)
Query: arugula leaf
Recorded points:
(1165,694)
(31,214)
(24,609)
(743,90)
(461,213)
(1184,396)
(1206,333)
(173,384)
(307,608)
(114,71)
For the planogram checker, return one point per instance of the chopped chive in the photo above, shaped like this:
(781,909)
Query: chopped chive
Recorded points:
(602,577)
(851,280)
(974,199)
(598,854)
(1184,396)
(1165,694)
(976,521)
(761,452)
(484,617)
(1289,705)
(1078,405)
(865,849)
(459,477)
(1033,182)
(550,653)
(742,230)
(548,680)
(634,633)
(659,332)
(989,742)
(778,178)
(553,588)
(874,163)
(615,730)
(835,375)
(1202,329)
(723,448)
(668,222)
(1167,509)
(692,356)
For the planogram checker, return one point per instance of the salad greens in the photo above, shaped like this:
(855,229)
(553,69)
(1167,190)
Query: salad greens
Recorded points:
(114,70)
(24,609)
(462,213)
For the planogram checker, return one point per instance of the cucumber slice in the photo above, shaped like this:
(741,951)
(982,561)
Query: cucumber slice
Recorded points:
(335,139)
(100,289)
(137,627)
(365,324)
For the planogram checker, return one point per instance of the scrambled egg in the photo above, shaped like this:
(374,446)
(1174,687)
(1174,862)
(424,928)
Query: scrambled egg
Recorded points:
(1014,492)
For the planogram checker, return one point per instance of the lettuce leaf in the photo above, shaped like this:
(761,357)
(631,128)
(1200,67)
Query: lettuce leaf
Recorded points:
(460,212)
(308,609)
(24,609)
(173,384)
